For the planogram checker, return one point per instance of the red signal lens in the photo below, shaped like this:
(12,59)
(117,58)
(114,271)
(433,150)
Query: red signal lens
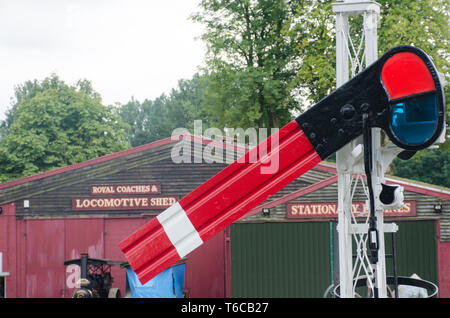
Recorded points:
(406,74)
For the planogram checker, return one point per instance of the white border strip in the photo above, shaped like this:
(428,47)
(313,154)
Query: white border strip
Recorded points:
(420,186)
(179,229)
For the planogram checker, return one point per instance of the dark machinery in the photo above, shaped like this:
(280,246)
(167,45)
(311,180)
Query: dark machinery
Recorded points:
(95,278)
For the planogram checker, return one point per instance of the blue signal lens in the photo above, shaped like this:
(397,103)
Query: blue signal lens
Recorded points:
(414,121)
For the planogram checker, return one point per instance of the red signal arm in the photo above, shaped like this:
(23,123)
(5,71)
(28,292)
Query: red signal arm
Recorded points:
(299,146)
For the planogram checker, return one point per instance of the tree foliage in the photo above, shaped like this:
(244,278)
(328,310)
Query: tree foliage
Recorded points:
(152,120)
(53,124)
(251,61)
(270,59)
(266,61)
(430,166)
(423,24)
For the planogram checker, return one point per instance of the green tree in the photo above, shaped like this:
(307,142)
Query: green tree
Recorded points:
(132,113)
(156,119)
(185,103)
(53,124)
(430,166)
(423,24)
(251,61)
(316,77)
(270,59)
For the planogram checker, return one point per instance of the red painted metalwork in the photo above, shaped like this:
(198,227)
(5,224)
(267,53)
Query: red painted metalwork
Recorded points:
(205,276)
(44,252)
(34,252)
(81,236)
(224,198)
(115,230)
(443,254)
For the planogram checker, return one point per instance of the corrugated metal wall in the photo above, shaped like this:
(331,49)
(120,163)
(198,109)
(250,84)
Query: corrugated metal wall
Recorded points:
(293,259)
(286,259)
(416,250)
(425,206)
(34,251)
(44,259)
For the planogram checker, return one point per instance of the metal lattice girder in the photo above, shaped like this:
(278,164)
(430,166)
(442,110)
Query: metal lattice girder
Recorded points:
(351,59)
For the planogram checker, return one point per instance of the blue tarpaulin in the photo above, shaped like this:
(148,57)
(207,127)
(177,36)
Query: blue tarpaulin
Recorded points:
(168,284)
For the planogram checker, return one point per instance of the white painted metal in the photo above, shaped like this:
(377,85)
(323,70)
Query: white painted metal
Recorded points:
(1,266)
(350,60)
(363,228)
(179,230)
(344,181)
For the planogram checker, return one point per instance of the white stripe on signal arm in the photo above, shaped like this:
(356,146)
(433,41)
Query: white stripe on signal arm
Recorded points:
(182,234)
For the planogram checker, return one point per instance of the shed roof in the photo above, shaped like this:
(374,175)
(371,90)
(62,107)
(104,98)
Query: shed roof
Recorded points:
(13,190)
(45,181)
(408,185)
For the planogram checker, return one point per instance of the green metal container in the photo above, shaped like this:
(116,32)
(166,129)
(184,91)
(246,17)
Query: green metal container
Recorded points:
(295,259)
(280,259)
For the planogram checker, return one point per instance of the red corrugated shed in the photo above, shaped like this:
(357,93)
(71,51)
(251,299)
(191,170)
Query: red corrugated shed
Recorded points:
(35,246)
(34,252)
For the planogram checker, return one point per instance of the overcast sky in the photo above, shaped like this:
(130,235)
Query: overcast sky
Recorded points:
(126,48)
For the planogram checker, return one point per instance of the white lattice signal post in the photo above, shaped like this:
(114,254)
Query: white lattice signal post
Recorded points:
(351,58)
